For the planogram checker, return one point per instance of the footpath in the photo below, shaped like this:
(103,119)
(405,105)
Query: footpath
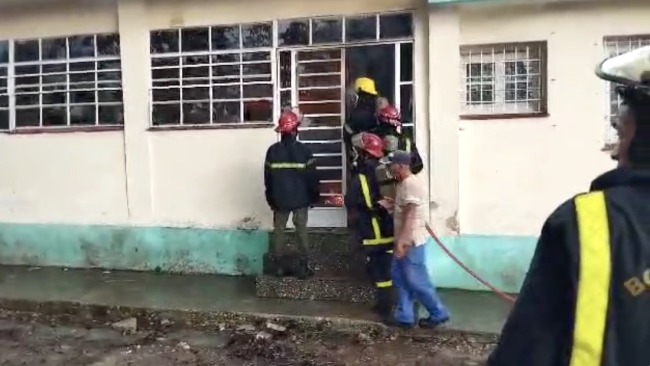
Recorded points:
(208,300)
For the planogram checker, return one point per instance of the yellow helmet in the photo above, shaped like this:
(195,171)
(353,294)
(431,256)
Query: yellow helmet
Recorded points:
(366,85)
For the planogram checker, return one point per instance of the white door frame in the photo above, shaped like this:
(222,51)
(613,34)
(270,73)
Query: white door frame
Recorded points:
(325,217)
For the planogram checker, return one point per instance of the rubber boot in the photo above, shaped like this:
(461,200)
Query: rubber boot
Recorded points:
(273,265)
(385,302)
(303,271)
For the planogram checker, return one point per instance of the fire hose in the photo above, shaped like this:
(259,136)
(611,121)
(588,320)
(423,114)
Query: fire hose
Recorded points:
(496,290)
(451,255)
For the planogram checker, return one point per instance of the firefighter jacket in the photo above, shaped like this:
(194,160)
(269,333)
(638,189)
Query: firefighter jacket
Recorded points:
(586,298)
(362,118)
(290,176)
(374,223)
(404,143)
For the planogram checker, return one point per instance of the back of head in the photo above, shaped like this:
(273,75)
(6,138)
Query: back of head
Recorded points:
(638,104)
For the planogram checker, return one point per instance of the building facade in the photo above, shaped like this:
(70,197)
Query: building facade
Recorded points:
(134,131)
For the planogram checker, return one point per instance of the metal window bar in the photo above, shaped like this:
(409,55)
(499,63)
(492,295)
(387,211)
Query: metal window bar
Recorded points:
(14,90)
(10,88)
(489,84)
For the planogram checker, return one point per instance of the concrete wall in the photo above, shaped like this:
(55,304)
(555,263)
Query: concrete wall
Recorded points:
(511,174)
(106,198)
(103,198)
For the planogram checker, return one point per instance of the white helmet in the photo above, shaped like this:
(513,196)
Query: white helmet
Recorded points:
(629,70)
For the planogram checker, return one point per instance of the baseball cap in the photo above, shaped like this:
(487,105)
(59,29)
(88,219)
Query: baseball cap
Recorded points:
(398,157)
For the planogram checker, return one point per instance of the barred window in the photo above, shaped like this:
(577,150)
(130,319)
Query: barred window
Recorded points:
(615,46)
(349,29)
(66,81)
(4,85)
(503,79)
(212,75)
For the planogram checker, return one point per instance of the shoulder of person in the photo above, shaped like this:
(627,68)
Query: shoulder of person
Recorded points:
(565,213)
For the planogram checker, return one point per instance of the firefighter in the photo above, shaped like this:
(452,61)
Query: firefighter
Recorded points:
(373,223)
(362,117)
(291,187)
(586,296)
(389,128)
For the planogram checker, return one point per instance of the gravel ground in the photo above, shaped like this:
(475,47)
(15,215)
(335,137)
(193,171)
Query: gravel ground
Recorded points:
(31,339)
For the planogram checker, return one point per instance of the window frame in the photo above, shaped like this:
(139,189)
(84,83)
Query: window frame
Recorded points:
(500,81)
(213,81)
(39,89)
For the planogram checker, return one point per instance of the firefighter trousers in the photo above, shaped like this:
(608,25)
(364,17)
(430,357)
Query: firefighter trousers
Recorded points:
(378,265)
(278,239)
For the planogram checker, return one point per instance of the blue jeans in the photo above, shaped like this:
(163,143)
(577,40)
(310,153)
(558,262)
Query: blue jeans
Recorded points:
(412,282)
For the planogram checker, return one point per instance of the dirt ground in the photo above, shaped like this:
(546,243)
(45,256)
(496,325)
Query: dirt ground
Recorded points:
(28,339)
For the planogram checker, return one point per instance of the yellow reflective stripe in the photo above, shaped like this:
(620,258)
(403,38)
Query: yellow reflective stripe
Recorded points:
(378,241)
(593,281)
(384,284)
(365,190)
(287,165)
(389,251)
(408,145)
(376,230)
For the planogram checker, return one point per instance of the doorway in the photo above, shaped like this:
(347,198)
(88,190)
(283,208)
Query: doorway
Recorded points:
(316,80)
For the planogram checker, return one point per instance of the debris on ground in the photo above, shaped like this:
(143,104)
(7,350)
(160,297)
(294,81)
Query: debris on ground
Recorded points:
(129,325)
(33,339)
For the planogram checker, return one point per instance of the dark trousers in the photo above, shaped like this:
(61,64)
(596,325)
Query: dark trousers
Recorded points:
(279,240)
(379,260)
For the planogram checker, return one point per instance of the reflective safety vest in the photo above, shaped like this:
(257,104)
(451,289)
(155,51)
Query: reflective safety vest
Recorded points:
(377,237)
(595,271)
(290,165)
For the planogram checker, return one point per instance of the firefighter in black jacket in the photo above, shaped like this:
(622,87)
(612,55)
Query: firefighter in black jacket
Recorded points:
(291,187)
(374,225)
(586,298)
(362,116)
(389,128)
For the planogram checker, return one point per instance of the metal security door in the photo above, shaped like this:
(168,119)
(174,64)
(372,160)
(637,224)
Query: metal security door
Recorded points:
(313,80)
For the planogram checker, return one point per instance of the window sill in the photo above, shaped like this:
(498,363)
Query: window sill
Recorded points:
(68,129)
(225,126)
(484,117)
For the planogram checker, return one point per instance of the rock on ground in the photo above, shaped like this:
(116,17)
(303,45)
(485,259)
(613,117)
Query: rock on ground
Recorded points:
(26,341)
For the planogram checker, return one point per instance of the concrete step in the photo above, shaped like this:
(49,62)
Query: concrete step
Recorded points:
(340,265)
(326,241)
(321,287)
(344,265)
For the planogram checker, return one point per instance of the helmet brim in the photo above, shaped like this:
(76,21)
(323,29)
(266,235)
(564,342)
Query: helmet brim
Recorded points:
(631,69)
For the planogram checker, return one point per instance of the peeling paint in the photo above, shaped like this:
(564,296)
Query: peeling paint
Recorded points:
(452,223)
(248,224)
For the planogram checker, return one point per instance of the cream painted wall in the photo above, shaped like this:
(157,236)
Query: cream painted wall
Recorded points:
(209,178)
(61,178)
(513,173)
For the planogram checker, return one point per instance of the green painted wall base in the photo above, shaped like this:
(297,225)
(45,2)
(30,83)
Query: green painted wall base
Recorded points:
(180,250)
(502,260)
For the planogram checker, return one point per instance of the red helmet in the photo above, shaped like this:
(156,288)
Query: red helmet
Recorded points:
(288,122)
(372,144)
(335,200)
(390,115)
